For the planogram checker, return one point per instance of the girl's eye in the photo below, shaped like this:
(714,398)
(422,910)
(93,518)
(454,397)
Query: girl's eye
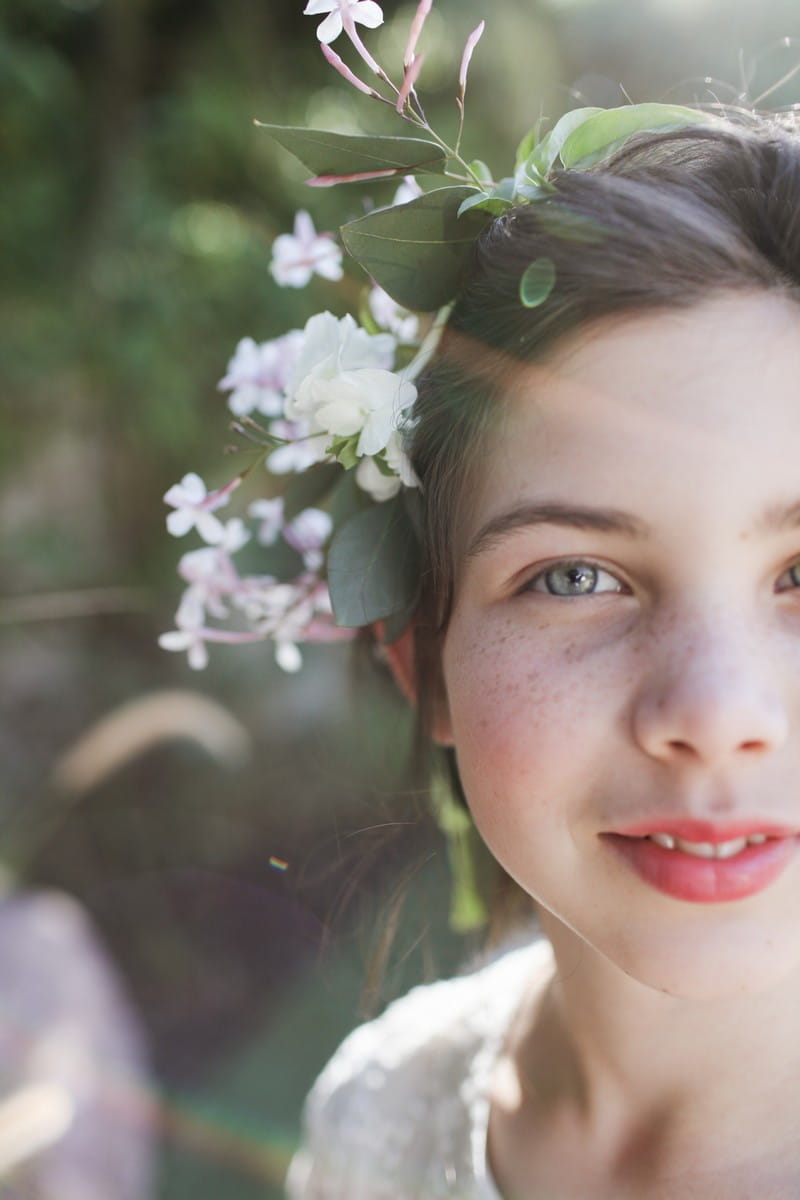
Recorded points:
(576,577)
(790,578)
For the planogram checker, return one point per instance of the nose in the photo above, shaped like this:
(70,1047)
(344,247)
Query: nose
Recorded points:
(711,698)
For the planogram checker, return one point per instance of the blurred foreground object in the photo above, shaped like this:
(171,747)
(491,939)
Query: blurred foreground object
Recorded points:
(76,1113)
(136,727)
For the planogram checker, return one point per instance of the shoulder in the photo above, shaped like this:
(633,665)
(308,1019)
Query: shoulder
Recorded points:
(397,1088)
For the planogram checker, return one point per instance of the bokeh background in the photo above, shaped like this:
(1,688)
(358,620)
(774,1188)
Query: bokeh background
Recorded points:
(239,839)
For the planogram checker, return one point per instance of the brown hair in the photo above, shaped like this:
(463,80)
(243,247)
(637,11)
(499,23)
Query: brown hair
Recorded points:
(664,223)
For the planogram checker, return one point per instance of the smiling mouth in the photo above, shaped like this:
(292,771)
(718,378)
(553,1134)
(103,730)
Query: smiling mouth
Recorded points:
(712,864)
(726,849)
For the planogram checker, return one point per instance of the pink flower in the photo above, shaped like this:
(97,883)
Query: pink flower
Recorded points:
(341,14)
(194,507)
(257,374)
(298,256)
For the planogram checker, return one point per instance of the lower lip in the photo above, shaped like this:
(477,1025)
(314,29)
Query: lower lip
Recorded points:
(705,880)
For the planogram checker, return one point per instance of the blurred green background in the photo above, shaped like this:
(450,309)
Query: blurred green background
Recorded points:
(139,204)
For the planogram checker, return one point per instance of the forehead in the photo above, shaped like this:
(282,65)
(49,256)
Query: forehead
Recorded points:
(674,406)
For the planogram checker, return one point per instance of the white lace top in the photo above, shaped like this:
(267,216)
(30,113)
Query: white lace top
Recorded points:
(402,1109)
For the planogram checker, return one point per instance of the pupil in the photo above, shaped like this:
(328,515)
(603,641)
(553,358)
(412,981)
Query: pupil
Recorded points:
(576,579)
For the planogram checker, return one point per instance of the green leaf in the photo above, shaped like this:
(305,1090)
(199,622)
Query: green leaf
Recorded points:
(373,565)
(602,133)
(485,202)
(344,451)
(479,168)
(537,283)
(417,251)
(307,488)
(327,153)
(526,147)
(542,158)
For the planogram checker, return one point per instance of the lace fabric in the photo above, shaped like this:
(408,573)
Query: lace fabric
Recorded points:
(401,1111)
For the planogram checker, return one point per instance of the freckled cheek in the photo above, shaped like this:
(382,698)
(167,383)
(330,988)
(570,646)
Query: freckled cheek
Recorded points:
(510,705)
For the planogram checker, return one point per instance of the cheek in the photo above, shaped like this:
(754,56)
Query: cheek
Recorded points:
(516,698)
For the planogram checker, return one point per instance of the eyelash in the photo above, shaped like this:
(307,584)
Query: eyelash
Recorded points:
(575,563)
(793,572)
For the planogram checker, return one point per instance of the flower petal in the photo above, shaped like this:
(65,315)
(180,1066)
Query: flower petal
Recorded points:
(368,13)
(330,28)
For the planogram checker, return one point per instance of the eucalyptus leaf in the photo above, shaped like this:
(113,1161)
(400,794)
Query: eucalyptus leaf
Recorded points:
(417,251)
(485,202)
(537,283)
(602,133)
(526,147)
(479,168)
(540,161)
(327,153)
(373,565)
(307,488)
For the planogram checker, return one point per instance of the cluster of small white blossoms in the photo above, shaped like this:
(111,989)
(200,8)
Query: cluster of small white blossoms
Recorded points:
(311,390)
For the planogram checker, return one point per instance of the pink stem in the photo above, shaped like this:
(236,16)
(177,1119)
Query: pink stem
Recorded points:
(349,26)
(409,79)
(416,29)
(472,42)
(344,70)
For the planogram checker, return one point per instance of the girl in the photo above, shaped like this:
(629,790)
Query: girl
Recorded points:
(608,642)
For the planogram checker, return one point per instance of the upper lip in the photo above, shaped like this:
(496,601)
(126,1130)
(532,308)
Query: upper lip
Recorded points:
(692,829)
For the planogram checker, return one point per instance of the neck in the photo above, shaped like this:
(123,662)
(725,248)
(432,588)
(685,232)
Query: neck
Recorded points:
(683,1080)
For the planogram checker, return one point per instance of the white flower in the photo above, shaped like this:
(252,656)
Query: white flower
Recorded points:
(194,508)
(399,461)
(365,11)
(403,324)
(371,478)
(298,256)
(257,374)
(270,515)
(190,634)
(301,451)
(330,346)
(307,534)
(408,190)
(368,402)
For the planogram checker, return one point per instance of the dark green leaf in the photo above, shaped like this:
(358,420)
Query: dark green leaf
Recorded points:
(373,565)
(602,133)
(537,283)
(327,153)
(417,251)
(309,487)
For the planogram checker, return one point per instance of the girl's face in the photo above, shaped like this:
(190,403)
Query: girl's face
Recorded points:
(622,668)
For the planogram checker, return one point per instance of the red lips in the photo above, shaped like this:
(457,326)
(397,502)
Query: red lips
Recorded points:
(687,876)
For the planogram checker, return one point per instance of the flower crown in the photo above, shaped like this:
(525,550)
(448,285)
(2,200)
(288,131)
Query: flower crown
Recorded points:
(331,406)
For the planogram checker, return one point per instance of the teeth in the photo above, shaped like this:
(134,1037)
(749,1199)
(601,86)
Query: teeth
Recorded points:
(708,849)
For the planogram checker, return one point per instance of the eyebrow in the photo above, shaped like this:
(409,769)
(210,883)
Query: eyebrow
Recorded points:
(776,519)
(524,516)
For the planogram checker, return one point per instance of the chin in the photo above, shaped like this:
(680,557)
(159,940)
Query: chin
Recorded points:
(713,953)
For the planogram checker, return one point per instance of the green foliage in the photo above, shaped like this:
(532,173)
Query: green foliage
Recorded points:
(537,282)
(327,153)
(602,132)
(373,565)
(417,251)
